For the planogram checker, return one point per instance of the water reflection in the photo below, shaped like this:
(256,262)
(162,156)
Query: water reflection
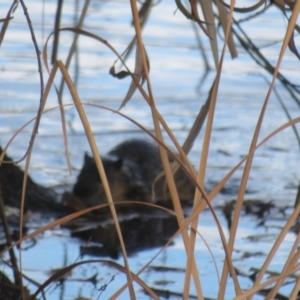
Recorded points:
(139,233)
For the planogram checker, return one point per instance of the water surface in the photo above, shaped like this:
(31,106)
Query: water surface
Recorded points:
(176,71)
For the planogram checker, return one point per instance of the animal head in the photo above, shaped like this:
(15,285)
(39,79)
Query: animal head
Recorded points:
(89,187)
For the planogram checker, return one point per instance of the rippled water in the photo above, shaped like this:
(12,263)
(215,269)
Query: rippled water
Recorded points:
(176,71)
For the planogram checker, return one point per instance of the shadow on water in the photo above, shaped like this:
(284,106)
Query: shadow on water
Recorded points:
(147,229)
(139,232)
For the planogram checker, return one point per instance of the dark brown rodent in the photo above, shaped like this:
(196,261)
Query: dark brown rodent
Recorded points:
(37,198)
(131,168)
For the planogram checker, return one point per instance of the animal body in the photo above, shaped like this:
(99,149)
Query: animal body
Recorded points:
(131,169)
(37,197)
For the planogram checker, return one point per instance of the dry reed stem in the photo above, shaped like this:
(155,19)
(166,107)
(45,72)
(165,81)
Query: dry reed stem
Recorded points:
(191,265)
(61,88)
(40,70)
(225,179)
(44,95)
(125,54)
(252,291)
(218,187)
(291,265)
(197,200)
(4,27)
(92,144)
(207,9)
(12,256)
(287,37)
(139,73)
(223,16)
(203,161)
(165,246)
(43,100)
(36,124)
(246,9)
(248,166)
(291,261)
(100,168)
(59,274)
(275,247)
(295,291)
(27,162)
(163,153)
(226,267)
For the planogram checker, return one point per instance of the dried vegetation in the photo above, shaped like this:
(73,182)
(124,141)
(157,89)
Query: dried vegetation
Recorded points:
(207,18)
